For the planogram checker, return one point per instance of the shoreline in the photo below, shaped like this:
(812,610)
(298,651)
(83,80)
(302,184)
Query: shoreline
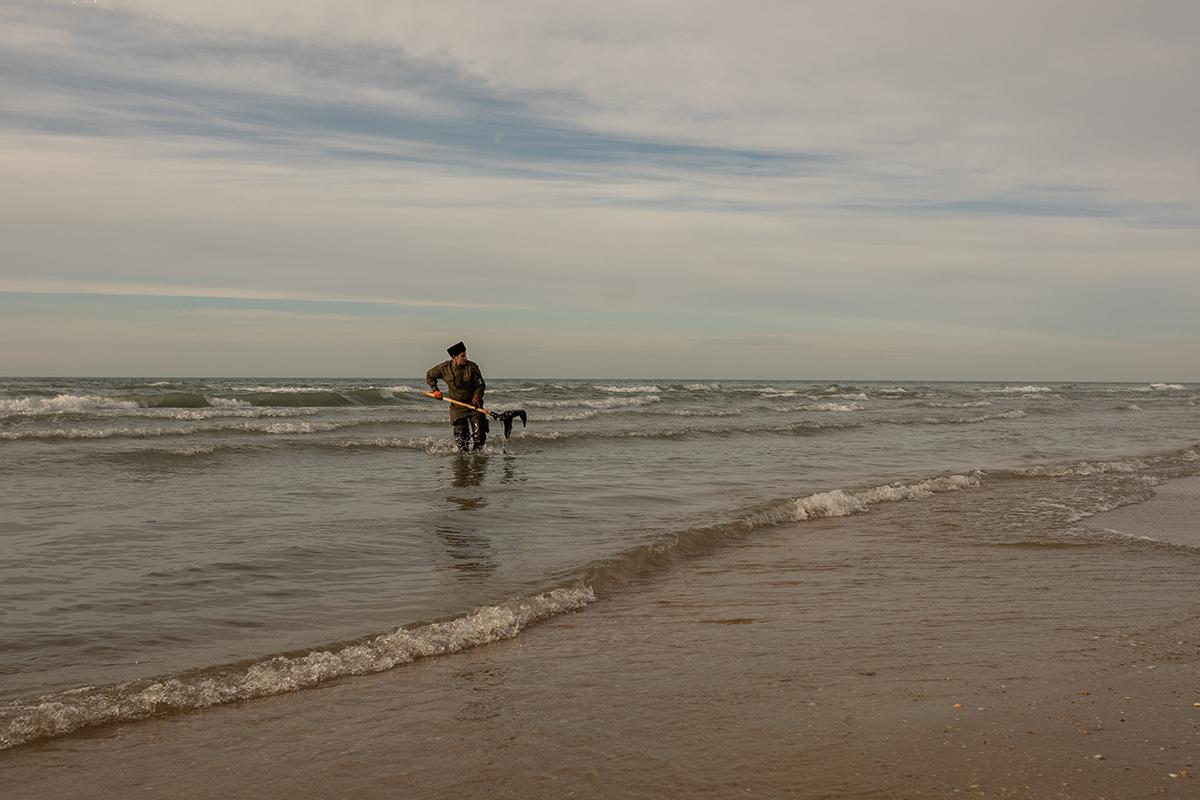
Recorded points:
(1172,515)
(844,658)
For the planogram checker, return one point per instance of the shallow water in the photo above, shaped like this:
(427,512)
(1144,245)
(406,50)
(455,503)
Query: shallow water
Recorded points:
(907,651)
(175,544)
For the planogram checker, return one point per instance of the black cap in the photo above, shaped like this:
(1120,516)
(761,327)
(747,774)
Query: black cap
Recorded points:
(456,349)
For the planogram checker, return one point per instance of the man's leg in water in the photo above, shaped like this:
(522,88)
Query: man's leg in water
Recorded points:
(479,424)
(462,434)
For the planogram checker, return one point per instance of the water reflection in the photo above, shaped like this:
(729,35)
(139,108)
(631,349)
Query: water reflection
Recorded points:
(510,471)
(468,548)
(469,471)
(469,552)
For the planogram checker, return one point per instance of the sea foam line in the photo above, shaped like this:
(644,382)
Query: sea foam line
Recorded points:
(613,402)
(54,715)
(838,503)
(64,404)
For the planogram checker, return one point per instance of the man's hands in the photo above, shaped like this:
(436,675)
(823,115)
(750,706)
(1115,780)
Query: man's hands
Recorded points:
(475,401)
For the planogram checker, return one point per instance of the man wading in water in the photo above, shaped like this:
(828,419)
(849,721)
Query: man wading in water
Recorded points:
(464,382)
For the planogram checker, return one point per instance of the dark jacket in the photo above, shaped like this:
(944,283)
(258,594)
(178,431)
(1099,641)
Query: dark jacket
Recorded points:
(464,384)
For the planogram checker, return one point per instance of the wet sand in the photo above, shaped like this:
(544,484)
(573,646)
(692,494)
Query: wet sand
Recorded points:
(1172,515)
(887,655)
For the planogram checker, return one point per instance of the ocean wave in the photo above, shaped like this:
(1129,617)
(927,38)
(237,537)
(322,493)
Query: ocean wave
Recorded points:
(647,558)
(1172,464)
(281,428)
(260,397)
(567,417)
(817,407)
(839,503)
(967,404)
(64,404)
(833,407)
(575,436)
(230,411)
(57,714)
(145,454)
(216,424)
(716,412)
(1084,468)
(227,402)
(434,445)
(650,389)
(1014,414)
(1022,390)
(96,433)
(799,428)
(610,403)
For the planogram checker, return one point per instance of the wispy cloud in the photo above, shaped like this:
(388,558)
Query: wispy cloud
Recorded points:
(775,170)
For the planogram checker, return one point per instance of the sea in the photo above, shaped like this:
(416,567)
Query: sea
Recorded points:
(176,544)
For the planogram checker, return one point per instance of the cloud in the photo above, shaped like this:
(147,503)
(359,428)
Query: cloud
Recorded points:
(926,172)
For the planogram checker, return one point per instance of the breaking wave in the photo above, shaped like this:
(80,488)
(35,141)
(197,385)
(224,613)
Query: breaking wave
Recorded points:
(58,714)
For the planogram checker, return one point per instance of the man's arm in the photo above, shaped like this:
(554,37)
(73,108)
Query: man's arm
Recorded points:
(431,378)
(480,386)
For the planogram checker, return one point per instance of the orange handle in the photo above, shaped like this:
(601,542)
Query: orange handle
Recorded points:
(460,403)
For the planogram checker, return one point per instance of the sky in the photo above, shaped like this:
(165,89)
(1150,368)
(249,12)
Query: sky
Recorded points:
(862,189)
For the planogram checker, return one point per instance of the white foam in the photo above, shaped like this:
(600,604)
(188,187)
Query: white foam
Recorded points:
(243,411)
(1022,390)
(293,427)
(57,714)
(567,417)
(1085,468)
(282,389)
(434,445)
(188,451)
(610,403)
(64,404)
(628,389)
(716,412)
(227,402)
(1016,414)
(829,504)
(96,433)
(834,407)
(968,404)
(839,503)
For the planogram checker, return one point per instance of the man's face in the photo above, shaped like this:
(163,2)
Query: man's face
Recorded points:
(460,359)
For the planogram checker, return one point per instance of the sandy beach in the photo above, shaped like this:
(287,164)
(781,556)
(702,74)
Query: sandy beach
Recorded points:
(851,657)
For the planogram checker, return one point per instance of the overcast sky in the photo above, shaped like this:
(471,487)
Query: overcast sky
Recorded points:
(874,189)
